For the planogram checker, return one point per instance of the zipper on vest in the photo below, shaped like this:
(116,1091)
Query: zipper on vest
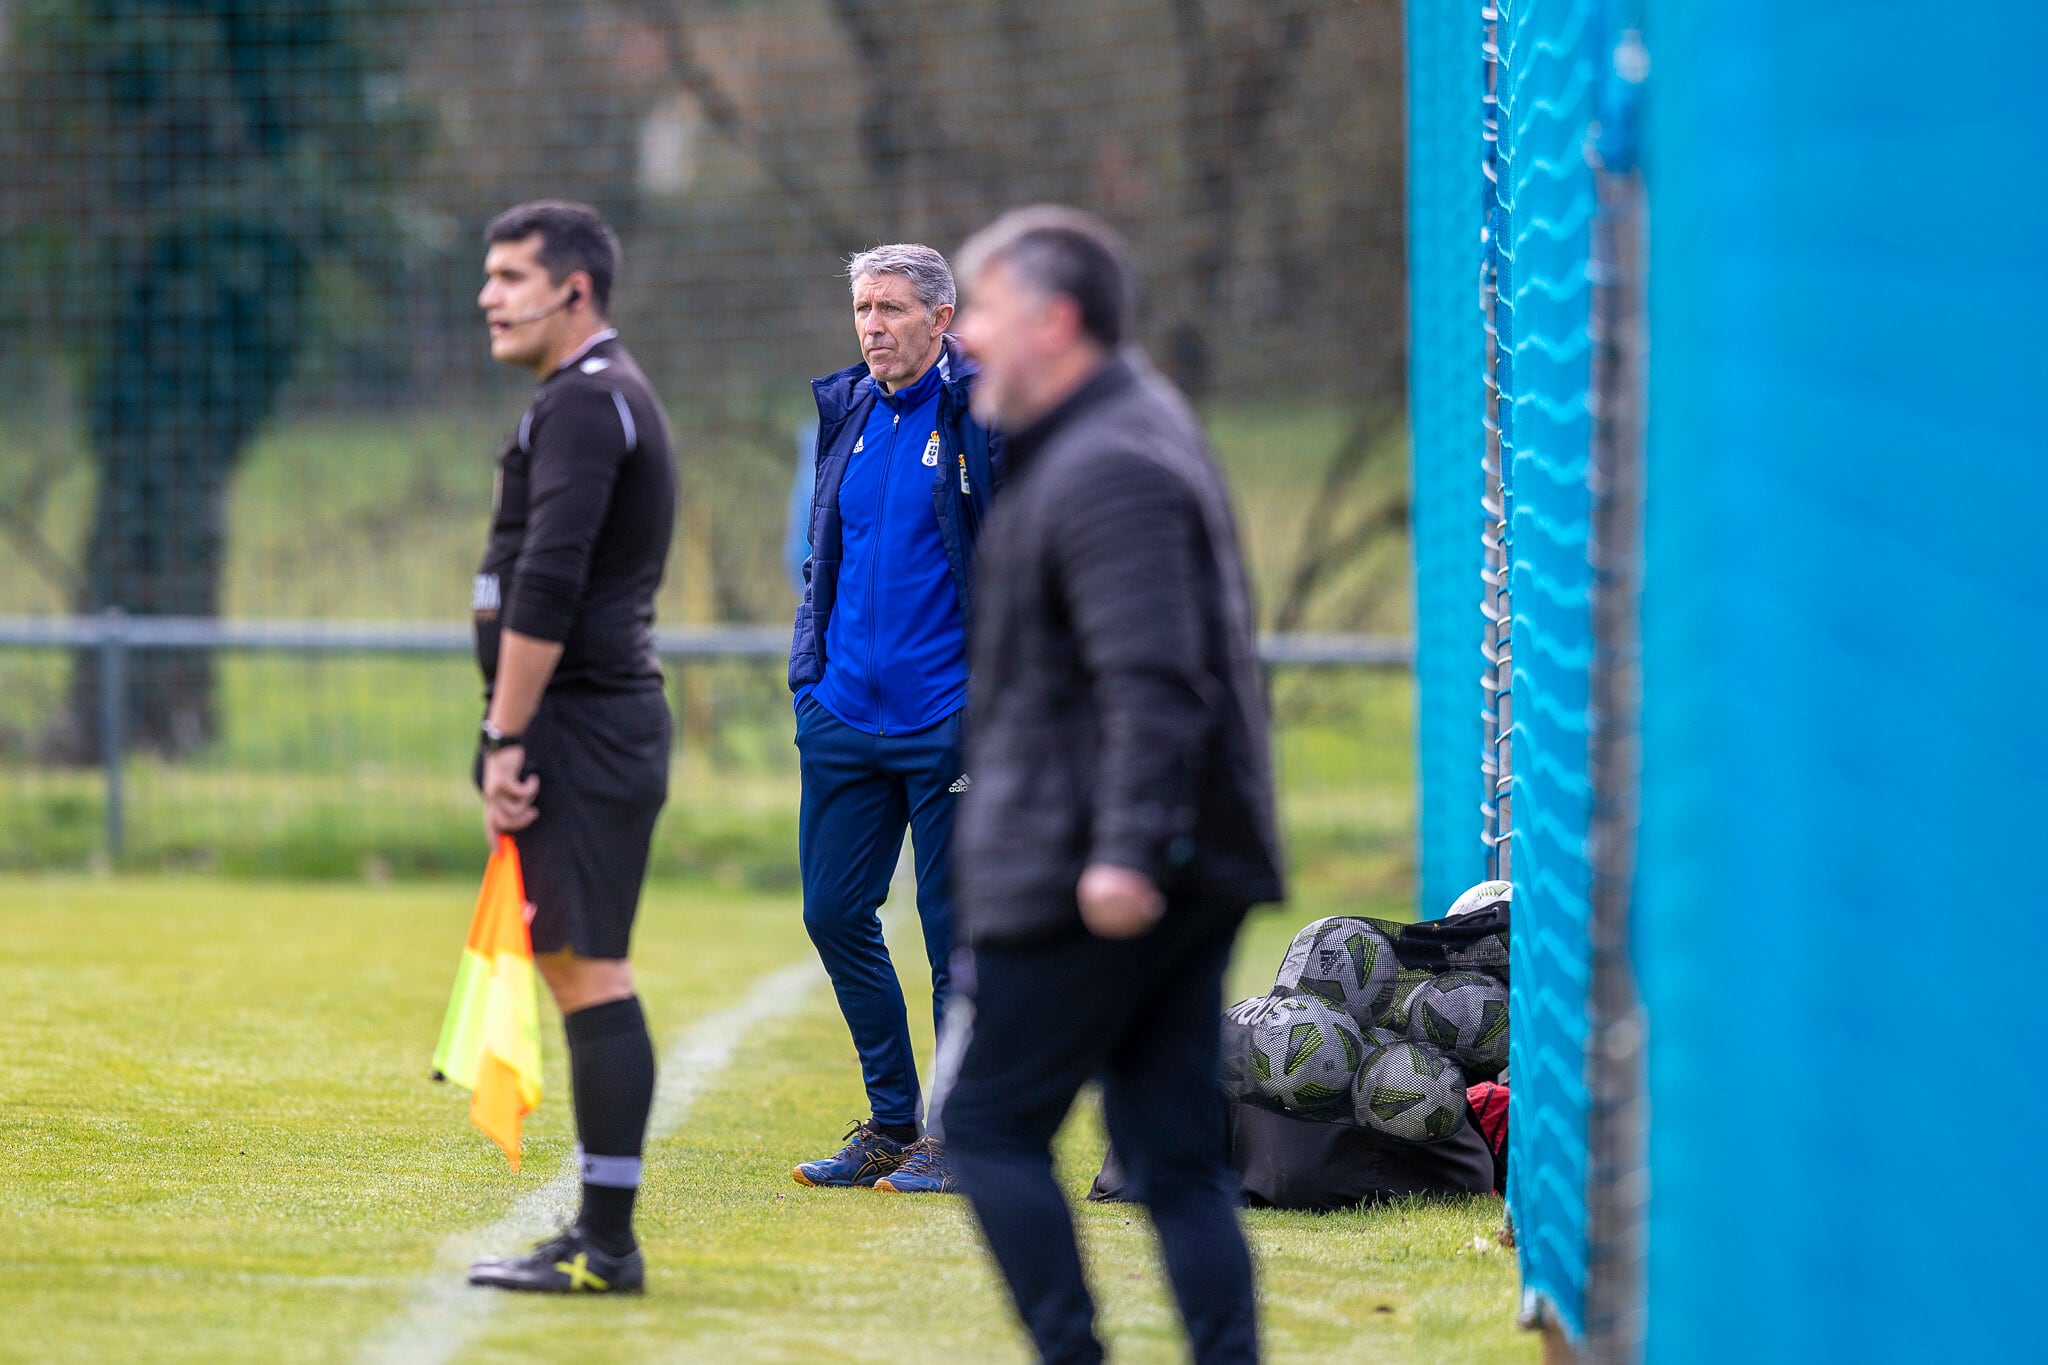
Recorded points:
(875,572)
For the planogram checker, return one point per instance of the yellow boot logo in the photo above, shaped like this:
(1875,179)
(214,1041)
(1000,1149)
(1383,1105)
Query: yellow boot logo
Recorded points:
(580,1274)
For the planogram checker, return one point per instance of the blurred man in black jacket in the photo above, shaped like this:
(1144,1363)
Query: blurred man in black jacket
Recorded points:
(1120,822)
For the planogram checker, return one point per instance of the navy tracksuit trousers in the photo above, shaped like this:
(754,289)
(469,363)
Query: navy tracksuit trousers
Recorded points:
(860,792)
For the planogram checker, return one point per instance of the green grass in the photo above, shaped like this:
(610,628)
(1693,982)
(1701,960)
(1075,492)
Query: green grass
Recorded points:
(359,768)
(218,1143)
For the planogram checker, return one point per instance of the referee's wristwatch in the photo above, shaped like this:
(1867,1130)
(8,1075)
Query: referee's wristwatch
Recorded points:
(494,739)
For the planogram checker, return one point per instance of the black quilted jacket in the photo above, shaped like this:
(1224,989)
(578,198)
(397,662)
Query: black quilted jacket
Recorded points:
(1117,708)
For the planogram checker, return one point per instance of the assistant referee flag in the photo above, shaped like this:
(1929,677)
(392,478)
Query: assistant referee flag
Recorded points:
(490,1041)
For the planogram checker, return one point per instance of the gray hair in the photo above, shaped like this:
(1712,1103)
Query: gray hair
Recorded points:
(1057,250)
(925,268)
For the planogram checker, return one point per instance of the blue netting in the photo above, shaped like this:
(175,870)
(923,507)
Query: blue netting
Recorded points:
(1838,926)
(1445,352)
(1550,62)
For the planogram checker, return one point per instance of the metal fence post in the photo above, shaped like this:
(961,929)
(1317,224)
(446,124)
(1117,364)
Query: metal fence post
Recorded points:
(113,718)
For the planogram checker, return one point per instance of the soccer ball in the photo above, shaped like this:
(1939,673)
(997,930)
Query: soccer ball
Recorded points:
(1409,1091)
(1304,1054)
(1407,989)
(1464,1014)
(1237,1045)
(1480,896)
(1346,962)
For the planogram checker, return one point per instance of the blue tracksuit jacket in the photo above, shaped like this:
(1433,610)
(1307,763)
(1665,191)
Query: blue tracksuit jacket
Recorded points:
(967,474)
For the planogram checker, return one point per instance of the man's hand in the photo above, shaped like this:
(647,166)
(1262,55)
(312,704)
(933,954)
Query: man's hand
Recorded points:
(1118,902)
(524,667)
(508,798)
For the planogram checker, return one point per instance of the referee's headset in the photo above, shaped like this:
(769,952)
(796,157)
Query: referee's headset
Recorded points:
(575,297)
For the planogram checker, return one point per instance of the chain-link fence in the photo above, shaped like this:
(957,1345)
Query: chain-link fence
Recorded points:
(239,249)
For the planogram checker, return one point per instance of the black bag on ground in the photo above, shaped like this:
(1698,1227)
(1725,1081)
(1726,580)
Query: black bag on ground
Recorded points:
(1284,1162)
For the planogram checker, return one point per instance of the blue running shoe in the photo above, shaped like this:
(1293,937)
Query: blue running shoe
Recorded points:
(924,1170)
(866,1158)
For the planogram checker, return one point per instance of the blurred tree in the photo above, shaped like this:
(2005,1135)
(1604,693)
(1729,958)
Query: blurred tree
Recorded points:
(196,162)
(1240,62)
(780,164)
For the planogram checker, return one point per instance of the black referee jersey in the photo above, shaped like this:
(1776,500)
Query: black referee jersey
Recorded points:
(580,527)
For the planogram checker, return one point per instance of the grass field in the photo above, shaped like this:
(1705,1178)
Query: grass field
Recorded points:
(218,1142)
(358,770)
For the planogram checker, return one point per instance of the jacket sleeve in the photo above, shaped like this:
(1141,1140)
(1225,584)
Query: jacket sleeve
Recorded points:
(1130,555)
(579,440)
(806,645)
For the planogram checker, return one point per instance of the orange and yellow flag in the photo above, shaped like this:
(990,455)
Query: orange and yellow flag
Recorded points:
(490,1041)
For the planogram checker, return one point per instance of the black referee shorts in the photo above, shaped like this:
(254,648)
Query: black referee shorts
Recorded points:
(602,760)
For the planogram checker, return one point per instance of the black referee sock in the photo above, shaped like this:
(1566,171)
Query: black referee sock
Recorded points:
(611,1070)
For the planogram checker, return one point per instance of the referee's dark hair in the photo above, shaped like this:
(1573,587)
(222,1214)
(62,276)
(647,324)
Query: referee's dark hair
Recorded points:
(572,236)
(1062,251)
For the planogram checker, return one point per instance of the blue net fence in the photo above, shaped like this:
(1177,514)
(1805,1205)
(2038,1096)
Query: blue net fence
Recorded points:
(1843,631)
(1445,408)
(1762,570)
(1501,374)
(1546,80)
(1516,464)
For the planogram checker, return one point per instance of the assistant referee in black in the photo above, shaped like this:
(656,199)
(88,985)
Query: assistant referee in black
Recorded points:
(573,757)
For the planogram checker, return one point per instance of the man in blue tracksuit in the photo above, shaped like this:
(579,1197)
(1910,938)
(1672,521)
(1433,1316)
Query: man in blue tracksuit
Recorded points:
(879,668)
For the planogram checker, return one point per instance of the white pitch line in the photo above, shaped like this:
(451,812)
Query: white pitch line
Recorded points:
(446,1313)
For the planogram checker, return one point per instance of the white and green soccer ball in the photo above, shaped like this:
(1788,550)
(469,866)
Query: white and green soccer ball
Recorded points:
(1464,1014)
(1409,1091)
(1238,1081)
(1480,896)
(1303,1055)
(1489,953)
(1344,962)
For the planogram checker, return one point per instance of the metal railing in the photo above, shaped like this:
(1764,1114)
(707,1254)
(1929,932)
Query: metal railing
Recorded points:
(114,633)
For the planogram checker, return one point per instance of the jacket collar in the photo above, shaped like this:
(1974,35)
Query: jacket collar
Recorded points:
(959,366)
(602,337)
(914,395)
(842,391)
(1115,375)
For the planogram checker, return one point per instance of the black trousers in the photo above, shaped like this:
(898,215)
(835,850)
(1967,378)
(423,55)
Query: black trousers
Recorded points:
(1142,1016)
